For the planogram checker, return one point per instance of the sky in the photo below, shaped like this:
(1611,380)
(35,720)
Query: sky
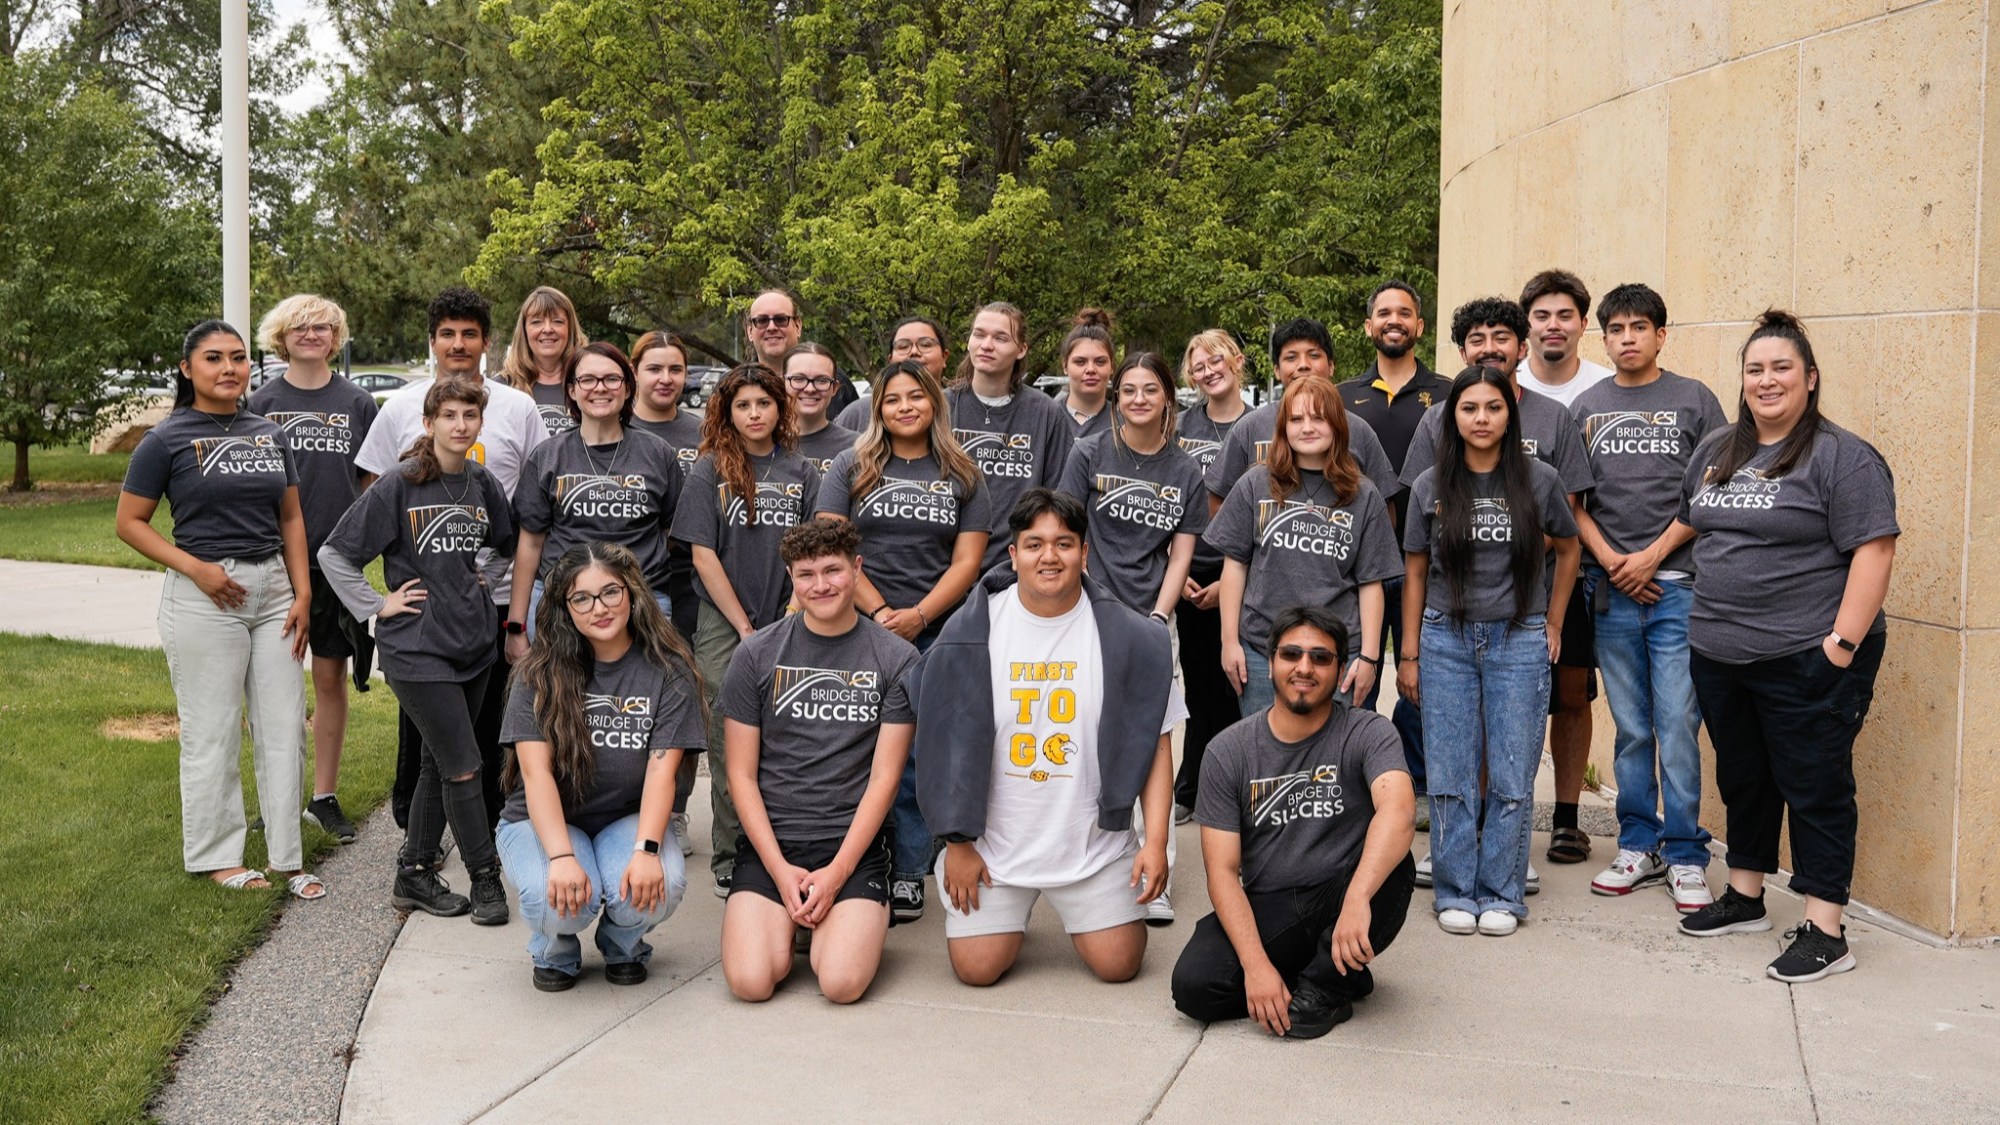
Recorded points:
(323,44)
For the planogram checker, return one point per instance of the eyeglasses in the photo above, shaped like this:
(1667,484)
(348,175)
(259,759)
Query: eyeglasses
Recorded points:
(612,596)
(1321,658)
(1140,390)
(592,382)
(772,320)
(816,382)
(312,330)
(920,344)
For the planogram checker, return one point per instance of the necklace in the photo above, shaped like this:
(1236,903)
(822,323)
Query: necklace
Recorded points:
(445,483)
(591,457)
(1312,496)
(219,422)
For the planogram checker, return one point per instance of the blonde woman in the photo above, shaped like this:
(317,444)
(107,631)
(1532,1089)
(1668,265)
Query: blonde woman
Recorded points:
(547,335)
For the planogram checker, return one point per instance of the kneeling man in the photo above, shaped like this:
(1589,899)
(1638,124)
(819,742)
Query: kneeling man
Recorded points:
(817,725)
(1306,812)
(1044,712)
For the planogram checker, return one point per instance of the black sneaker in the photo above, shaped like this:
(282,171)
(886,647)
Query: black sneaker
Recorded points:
(1314,1013)
(421,888)
(625,972)
(906,899)
(722,885)
(1733,913)
(1362,981)
(555,980)
(1814,955)
(325,812)
(489,897)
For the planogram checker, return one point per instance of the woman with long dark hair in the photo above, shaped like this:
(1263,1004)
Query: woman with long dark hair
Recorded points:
(234,610)
(1481,521)
(427,522)
(1304,527)
(604,705)
(546,337)
(1795,533)
(919,504)
(748,488)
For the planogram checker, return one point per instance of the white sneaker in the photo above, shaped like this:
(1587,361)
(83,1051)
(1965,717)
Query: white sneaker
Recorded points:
(1534,879)
(679,822)
(1160,911)
(1497,923)
(1689,886)
(1630,871)
(1457,921)
(1423,878)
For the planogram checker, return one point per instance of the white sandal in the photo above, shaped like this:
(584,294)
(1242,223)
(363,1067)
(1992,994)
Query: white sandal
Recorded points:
(241,880)
(304,881)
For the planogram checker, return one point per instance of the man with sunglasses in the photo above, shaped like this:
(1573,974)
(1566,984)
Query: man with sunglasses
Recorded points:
(1305,813)
(773,327)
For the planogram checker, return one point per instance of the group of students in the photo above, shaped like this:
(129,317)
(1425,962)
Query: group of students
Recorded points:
(1027,595)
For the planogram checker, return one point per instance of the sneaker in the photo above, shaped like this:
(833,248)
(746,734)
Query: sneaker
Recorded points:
(1814,955)
(325,812)
(1534,884)
(1497,923)
(679,823)
(625,972)
(1313,1013)
(906,899)
(1733,913)
(1457,921)
(1630,871)
(1423,877)
(555,980)
(421,888)
(1160,911)
(1182,813)
(722,886)
(1689,886)
(802,942)
(489,896)
(1423,812)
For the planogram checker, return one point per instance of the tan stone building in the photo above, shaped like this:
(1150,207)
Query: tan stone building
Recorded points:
(1831,157)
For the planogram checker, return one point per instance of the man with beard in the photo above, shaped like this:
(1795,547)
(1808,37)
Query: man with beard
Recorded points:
(1305,829)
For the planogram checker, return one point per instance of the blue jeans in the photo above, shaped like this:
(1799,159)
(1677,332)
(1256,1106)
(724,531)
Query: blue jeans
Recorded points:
(535,606)
(911,846)
(621,934)
(1642,650)
(1485,698)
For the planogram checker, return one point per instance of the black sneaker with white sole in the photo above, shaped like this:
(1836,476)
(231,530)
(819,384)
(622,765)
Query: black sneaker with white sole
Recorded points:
(906,899)
(419,887)
(1313,1013)
(1733,913)
(1814,955)
(325,812)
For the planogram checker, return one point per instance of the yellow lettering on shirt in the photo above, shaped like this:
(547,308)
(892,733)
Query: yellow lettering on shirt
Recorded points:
(1041,671)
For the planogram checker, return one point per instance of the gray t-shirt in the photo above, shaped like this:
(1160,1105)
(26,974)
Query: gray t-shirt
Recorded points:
(855,415)
(1090,427)
(1308,549)
(1249,443)
(710,514)
(225,486)
(1639,441)
(624,492)
(1489,588)
(552,403)
(1202,438)
(632,707)
(1548,432)
(1137,505)
(682,433)
(909,523)
(1301,808)
(324,429)
(432,532)
(824,444)
(1019,445)
(819,703)
(1771,554)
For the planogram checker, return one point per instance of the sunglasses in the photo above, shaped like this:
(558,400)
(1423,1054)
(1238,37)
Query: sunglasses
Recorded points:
(772,320)
(1321,658)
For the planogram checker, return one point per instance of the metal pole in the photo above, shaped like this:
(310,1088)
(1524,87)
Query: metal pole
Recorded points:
(236,164)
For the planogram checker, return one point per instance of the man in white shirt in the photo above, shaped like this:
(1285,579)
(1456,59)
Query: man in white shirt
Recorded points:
(461,326)
(1557,304)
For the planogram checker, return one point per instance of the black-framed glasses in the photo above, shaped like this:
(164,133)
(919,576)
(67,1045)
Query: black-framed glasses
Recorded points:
(816,382)
(592,382)
(612,596)
(1320,657)
(772,320)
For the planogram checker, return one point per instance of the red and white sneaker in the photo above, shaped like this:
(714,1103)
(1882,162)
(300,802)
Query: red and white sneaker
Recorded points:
(1689,886)
(1630,871)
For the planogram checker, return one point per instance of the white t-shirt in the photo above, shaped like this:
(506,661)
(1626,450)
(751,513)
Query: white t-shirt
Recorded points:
(1588,375)
(1041,815)
(511,428)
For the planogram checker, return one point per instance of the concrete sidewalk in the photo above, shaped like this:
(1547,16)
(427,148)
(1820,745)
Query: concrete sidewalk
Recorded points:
(106,604)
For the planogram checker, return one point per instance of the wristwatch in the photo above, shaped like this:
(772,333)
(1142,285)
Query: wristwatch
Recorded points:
(650,847)
(514,628)
(1843,642)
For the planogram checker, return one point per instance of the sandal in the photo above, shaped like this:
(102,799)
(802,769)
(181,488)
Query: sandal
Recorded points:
(242,879)
(306,886)
(1568,845)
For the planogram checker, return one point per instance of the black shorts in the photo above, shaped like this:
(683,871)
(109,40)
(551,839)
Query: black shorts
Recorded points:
(1579,646)
(329,628)
(870,880)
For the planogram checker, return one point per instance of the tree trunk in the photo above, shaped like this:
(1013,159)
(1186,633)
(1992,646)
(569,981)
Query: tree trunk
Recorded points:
(21,483)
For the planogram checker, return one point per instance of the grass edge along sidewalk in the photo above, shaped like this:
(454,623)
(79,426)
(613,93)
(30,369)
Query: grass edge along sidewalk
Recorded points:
(113,953)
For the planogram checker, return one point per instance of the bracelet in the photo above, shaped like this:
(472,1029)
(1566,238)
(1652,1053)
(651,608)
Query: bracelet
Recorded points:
(565,855)
(1406,660)
(923,617)
(1375,660)
(1158,616)
(879,611)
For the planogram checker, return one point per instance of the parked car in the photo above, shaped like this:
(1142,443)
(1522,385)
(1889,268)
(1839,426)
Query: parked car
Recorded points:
(702,379)
(145,382)
(379,383)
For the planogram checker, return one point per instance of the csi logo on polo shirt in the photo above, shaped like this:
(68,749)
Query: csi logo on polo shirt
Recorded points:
(826,695)
(235,455)
(778,504)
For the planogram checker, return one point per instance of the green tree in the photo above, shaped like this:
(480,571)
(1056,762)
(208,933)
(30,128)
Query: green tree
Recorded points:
(99,268)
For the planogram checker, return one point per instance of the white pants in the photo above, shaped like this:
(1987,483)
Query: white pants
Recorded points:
(218,658)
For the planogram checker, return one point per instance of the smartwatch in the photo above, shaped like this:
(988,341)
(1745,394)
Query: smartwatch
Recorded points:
(1845,644)
(650,847)
(514,628)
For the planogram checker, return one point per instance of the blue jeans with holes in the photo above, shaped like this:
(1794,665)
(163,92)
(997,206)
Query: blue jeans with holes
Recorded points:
(1485,699)
(621,931)
(1642,651)
(911,846)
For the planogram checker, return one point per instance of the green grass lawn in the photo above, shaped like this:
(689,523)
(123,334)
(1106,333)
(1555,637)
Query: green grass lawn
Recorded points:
(112,953)
(82,531)
(76,463)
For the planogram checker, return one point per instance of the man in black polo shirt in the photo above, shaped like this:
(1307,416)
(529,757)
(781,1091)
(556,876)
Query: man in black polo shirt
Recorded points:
(1392,396)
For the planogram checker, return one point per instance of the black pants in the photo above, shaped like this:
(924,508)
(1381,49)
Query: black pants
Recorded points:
(1296,927)
(1211,702)
(1784,734)
(485,729)
(443,712)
